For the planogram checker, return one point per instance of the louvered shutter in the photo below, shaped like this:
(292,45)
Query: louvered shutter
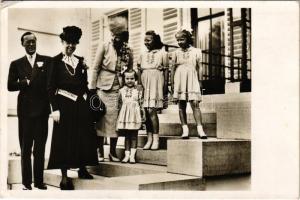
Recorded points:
(135,32)
(170,25)
(96,27)
(237,41)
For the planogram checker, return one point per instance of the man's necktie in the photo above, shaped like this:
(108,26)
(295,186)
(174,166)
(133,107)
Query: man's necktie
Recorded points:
(31,60)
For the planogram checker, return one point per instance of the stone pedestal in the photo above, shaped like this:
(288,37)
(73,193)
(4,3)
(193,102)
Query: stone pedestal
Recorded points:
(232,87)
(170,125)
(234,120)
(211,157)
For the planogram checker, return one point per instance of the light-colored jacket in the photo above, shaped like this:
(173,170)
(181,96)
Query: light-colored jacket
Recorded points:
(103,68)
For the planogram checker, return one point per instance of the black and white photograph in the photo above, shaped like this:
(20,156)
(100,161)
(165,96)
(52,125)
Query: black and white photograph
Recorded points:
(133,98)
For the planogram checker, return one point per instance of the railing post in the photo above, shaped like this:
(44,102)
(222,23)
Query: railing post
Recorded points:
(244,43)
(231,46)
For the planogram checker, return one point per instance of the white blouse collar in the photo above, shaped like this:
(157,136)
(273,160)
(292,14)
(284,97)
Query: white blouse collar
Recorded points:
(70,60)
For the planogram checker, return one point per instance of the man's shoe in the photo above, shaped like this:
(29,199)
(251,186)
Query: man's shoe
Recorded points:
(27,187)
(41,186)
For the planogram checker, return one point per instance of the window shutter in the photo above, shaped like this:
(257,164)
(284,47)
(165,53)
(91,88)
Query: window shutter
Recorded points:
(95,37)
(237,41)
(135,32)
(170,25)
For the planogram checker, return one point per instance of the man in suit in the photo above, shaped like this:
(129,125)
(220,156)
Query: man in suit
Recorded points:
(28,75)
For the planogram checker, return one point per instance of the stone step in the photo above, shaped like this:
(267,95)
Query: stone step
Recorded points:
(207,118)
(142,139)
(163,181)
(175,129)
(53,177)
(159,181)
(19,186)
(116,169)
(154,157)
(157,157)
(209,102)
(234,120)
(210,157)
(14,169)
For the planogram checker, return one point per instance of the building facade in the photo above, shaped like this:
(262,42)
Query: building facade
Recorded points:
(224,35)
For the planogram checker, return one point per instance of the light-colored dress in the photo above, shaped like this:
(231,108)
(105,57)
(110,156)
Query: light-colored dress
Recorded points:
(186,78)
(152,64)
(130,111)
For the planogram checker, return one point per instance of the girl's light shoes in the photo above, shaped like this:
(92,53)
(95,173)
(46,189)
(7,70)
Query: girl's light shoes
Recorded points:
(149,141)
(152,142)
(155,143)
(100,159)
(201,133)
(185,132)
(129,156)
(132,156)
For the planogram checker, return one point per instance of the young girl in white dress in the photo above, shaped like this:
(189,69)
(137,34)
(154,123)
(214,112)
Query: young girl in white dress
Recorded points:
(186,81)
(130,114)
(153,73)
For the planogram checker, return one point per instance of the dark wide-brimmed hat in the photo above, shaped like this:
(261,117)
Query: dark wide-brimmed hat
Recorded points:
(71,34)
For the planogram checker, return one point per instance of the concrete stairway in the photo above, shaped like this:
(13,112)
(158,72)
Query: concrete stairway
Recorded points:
(192,164)
(117,176)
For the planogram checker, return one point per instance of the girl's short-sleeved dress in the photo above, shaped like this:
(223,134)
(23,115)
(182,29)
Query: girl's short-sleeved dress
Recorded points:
(186,78)
(152,64)
(130,111)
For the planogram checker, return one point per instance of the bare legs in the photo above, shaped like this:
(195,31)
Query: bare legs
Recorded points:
(197,117)
(130,146)
(152,126)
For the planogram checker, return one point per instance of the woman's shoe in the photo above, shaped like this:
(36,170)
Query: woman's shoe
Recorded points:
(149,141)
(63,186)
(68,185)
(185,132)
(113,158)
(155,143)
(84,174)
(132,155)
(100,159)
(127,156)
(201,133)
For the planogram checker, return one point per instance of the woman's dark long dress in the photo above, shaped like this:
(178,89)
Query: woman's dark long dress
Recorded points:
(74,137)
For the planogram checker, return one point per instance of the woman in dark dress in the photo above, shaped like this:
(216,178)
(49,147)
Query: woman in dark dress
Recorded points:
(73,140)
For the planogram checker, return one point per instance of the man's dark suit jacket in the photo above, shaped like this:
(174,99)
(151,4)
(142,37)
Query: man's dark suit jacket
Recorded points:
(33,98)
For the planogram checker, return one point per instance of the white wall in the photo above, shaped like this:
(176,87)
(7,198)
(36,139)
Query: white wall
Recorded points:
(45,20)
(154,20)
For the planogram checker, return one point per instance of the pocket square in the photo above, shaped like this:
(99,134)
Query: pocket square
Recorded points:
(40,64)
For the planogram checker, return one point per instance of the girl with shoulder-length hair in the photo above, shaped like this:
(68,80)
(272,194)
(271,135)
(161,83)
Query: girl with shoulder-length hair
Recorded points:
(153,73)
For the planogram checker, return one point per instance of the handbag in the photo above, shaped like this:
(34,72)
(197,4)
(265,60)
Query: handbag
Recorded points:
(96,106)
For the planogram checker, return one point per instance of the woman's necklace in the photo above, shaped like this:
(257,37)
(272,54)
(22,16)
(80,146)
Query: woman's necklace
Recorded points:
(72,74)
